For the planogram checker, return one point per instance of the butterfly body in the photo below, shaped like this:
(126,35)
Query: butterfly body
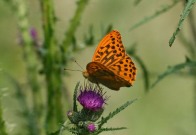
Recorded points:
(110,65)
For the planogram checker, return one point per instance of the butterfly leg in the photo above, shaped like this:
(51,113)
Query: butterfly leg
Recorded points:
(99,87)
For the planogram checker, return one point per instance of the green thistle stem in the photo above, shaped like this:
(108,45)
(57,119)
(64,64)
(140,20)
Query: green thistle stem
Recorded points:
(52,68)
(31,64)
(2,123)
(63,127)
(74,24)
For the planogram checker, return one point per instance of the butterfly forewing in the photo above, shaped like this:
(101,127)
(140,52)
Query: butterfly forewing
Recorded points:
(110,49)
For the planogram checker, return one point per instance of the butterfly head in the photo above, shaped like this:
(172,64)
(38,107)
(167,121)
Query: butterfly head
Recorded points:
(85,74)
(89,76)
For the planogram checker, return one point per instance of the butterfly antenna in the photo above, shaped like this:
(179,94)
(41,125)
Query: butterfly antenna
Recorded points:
(78,64)
(72,69)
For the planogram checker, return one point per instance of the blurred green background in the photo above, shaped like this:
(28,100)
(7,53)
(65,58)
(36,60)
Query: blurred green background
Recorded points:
(168,109)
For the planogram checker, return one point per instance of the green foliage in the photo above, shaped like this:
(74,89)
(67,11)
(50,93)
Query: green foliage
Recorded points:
(75,21)
(112,129)
(52,59)
(43,118)
(136,2)
(185,13)
(174,69)
(2,123)
(115,112)
(108,129)
(89,39)
(75,109)
(20,10)
(26,113)
(108,29)
(78,120)
(164,9)
(60,131)
(52,62)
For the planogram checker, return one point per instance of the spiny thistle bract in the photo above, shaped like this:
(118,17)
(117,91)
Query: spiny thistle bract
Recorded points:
(85,121)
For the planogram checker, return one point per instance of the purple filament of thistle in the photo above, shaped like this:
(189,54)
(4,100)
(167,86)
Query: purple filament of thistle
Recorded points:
(91,99)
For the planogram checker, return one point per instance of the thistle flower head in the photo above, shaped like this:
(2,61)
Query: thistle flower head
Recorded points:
(91,127)
(91,98)
(33,34)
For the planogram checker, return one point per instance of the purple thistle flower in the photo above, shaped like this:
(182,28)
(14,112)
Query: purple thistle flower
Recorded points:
(91,98)
(33,34)
(91,127)
(35,39)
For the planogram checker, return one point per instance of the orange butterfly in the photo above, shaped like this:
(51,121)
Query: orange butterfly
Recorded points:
(110,65)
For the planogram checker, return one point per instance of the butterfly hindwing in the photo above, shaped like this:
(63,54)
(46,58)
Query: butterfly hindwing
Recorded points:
(100,74)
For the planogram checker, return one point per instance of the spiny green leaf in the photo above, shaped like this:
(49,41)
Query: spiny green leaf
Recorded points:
(19,92)
(75,21)
(54,133)
(156,14)
(26,113)
(112,114)
(108,29)
(89,38)
(2,123)
(73,130)
(184,14)
(174,69)
(12,4)
(62,128)
(75,109)
(112,128)
(108,129)
(136,2)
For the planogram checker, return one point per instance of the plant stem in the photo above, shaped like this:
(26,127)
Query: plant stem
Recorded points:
(31,64)
(192,25)
(63,127)
(2,123)
(75,21)
(52,68)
